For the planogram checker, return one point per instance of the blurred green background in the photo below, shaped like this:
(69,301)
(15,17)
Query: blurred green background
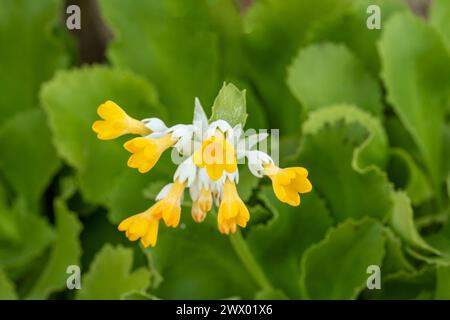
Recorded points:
(365,111)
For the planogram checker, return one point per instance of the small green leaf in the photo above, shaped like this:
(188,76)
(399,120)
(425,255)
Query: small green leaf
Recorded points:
(280,244)
(416,72)
(29,160)
(230,105)
(326,74)
(402,222)
(336,268)
(65,251)
(7,288)
(110,275)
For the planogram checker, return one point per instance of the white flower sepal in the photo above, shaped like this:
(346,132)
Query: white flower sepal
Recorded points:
(256,161)
(223,126)
(186,172)
(164,192)
(157,126)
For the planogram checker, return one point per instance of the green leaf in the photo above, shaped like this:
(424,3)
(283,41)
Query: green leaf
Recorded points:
(110,275)
(29,160)
(439,18)
(71,100)
(138,295)
(339,154)
(66,251)
(180,54)
(32,20)
(404,170)
(270,295)
(406,286)
(280,244)
(402,222)
(196,261)
(350,29)
(7,288)
(442,283)
(374,150)
(326,74)
(336,267)
(230,105)
(416,71)
(30,235)
(281,27)
(395,260)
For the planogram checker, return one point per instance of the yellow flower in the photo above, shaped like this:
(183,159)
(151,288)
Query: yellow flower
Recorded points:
(146,152)
(288,183)
(216,155)
(202,205)
(116,122)
(169,208)
(142,225)
(232,210)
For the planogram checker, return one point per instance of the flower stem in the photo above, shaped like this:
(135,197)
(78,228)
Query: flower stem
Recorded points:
(247,259)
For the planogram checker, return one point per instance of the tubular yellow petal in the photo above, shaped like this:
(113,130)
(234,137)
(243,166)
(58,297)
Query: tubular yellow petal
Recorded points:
(116,122)
(289,183)
(232,210)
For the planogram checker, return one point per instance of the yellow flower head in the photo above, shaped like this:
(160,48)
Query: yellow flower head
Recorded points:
(288,183)
(169,208)
(216,155)
(232,210)
(202,205)
(142,225)
(116,122)
(146,152)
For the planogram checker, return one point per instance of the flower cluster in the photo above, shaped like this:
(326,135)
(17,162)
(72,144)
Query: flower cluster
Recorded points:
(209,169)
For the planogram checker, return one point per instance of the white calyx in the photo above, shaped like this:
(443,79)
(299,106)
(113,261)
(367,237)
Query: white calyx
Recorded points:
(256,161)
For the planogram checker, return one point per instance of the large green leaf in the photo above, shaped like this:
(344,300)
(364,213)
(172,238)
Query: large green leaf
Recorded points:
(280,244)
(332,151)
(230,105)
(336,268)
(326,74)
(351,30)
(173,44)
(71,100)
(24,237)
(281,27)
(31,58)
(29,159)
(66,251)
(110,275)
(416,71)
(195,261)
